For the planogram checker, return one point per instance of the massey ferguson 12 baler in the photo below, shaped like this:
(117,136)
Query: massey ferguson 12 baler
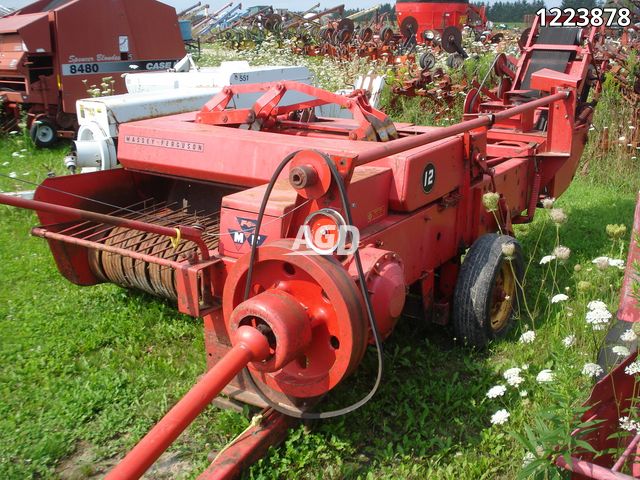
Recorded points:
(224,211)
(51,52)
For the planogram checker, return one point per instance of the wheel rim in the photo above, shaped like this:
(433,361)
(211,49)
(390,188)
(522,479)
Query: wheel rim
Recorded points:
(44,133)
(502,295)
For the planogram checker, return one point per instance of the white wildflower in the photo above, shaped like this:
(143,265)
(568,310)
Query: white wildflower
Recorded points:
(596,305)
(628,336)
(508,250)
(523,393)
(569,340)
(496,391)
(621,351)
(4,164)
(560,297)
(13,175)
(592,370)
(632,368)
(511,372)
(598,318)
(528,337)
(601,262)
(548,203)
(525,366)
(527,459)
(545,376)
(562,253)
(558,216)
(500,417)
(15,154)
(546,259)
(515,381)
(616,262)
(629,425)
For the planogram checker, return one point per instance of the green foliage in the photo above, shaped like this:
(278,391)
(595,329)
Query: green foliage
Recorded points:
(575,4)
(513,11)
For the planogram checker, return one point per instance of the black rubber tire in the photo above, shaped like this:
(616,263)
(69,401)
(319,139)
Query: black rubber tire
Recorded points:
(474,290)
(39,139)
(607,359)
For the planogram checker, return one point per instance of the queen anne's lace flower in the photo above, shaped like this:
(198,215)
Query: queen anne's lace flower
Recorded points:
(496,391)
(527,459)
(545,376)
(560,297)
(528,337)
(511,372)
(546,259)
(621,351)
(562,253)
(598,315)
(629,425)
(500,417)
(558,216)
(592,369)
(569,340)
(515,380)
(633,368)
(596,305)
(628,336)
(603,262)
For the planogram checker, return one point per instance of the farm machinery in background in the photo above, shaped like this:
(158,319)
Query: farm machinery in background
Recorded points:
(296,239)
(52,53)
(426,18)
(5,11)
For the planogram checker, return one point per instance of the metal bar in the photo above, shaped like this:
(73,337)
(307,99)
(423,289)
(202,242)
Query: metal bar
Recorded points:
(189,233)
(392,147)
(106,229)
(623,458)
(252,346)
(43,233)
(591,470)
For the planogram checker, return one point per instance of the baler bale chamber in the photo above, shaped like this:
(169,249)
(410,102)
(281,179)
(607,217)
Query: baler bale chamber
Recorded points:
(297,239)
(53,51)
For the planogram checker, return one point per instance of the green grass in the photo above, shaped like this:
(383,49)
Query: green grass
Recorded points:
(85,372)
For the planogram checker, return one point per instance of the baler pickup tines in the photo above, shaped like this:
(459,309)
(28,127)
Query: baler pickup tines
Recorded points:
(126,250)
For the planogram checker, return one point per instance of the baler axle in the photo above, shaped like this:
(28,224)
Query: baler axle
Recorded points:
(251,346)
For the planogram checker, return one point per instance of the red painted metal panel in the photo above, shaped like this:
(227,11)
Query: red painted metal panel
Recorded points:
(629,310)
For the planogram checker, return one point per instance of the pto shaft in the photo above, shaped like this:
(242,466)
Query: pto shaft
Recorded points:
(251,346)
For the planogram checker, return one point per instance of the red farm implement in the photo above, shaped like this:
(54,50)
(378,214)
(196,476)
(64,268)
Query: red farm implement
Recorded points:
(224,211)
(52,52)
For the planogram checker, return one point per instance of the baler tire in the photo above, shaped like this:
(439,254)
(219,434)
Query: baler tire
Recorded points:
(42,141)
(474,291)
